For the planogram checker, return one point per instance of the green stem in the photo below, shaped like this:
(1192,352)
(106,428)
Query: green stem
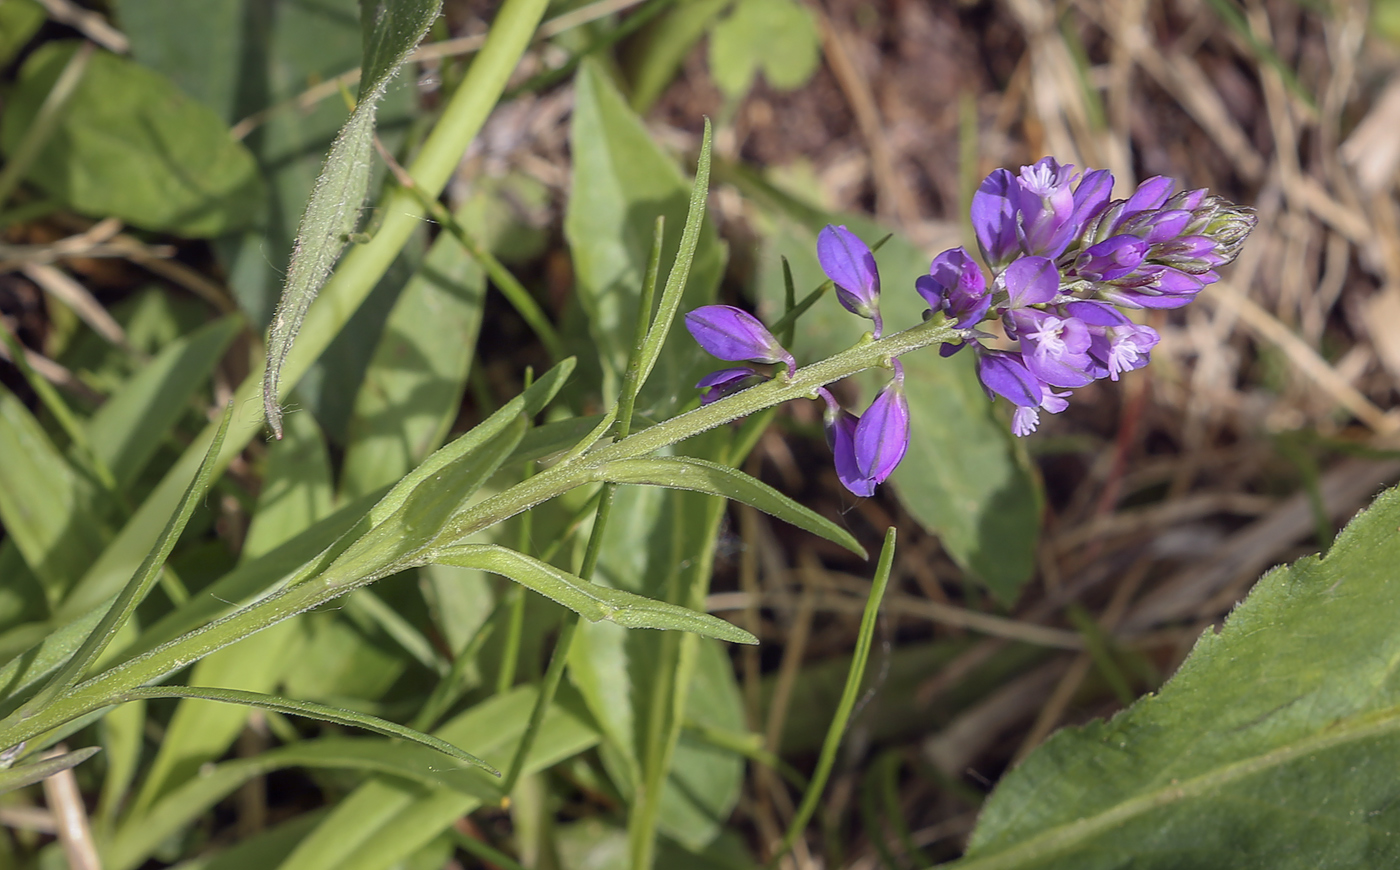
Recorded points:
(550,483)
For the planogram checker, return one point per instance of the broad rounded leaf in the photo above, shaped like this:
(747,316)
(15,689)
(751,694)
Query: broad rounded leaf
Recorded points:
(132,145)
(1274,746)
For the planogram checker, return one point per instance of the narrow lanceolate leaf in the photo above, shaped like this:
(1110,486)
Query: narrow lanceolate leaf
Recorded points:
(392,29)
(589,600)
(136,589)
(721,480)
(1274,746)
(28,774)
(322,712)
(680,270)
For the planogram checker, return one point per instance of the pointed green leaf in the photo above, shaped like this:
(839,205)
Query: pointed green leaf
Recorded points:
(426,509)
(137,588)
(715,479)
(391,31)
(589,600)
(28,774)
(310,710)
(1273,746)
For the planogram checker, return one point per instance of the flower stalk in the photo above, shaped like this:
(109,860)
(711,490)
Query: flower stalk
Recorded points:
(581,469)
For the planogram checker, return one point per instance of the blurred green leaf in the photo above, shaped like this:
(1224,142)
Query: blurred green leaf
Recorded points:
(654,56)
(130,145)
(963,478)
(385,820)
(621,182)
(412,391)
(266,848)
(1271,747)
(776,37)
(391,31)
(589,600)
(19,21)
(140,835)
(715,479)
(123,732)
(129,428)
(44,504)
(704,782)
(37,771)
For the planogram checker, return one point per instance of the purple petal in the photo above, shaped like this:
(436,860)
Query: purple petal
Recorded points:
(1150,194)
(1005,374)
(840,435)
(1032,281)
(1097,313)
(716,385)
(1111,259)
(994,218)
(882,436)
(1187,199)
(731,334)
(850,265)
(1091,196)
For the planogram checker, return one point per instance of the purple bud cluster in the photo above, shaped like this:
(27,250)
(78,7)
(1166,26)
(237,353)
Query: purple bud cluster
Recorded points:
(1064,262)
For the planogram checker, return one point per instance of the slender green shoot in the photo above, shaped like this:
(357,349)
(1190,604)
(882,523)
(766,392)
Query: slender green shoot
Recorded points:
(827,759)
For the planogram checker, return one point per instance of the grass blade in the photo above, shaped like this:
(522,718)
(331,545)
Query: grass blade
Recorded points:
(311,711)
(28,774)
(827,759)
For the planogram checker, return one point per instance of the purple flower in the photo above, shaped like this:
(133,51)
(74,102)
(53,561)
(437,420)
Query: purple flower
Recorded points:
(867,449)
(1031,281)
(1044,203)
(1005,374)
(882,436)
(994,219)
(725,382)
(1116,344)
(850,265)
(955,285)
(732,334)
(1055,348)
